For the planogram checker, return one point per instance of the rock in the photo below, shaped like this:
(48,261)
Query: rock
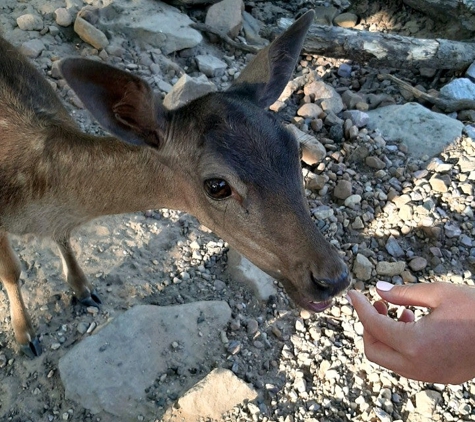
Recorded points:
(191,2)
(352,201)
(359,118)
(32,48)
(323,212)
(313,151)
(226,16)
(390,268)
(62,17)
(342,189)
(109,371)
(426,402)
(324,95)
(423,131)
(350,99)
(243,270)
(452,230)
(152,22)
(346,20)
(315,181)
(362,267)
(216,394)
(211,66)
(357,224)
(187,89)
(466,164)
(310,111)
(30,22)
(417,263)
(251,27)
(90,34)
(440,183)
(336,133)
(375,163)
(344,70)
(393,248)
(459,89)
(470,73)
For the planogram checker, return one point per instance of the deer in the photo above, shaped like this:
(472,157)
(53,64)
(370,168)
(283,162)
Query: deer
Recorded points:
(224,158)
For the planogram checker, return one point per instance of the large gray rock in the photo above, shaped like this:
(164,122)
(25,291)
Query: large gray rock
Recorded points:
(459,89)
(151,22)
(214,395)
(422,130)
(226,16)
(110,370)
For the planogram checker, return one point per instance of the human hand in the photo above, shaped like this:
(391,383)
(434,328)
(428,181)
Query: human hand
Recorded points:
(438,348)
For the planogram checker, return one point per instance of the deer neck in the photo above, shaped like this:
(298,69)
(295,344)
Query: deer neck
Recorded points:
(108,176)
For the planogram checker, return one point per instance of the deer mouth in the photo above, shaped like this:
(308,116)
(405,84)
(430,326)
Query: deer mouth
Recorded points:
(312,306)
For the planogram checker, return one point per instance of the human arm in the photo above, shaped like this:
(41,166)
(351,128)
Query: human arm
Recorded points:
(439,347)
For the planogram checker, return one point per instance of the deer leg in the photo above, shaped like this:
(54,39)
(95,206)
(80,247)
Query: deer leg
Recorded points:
(10,276)
(75,277)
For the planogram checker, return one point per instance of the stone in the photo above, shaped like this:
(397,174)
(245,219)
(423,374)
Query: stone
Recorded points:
(324,95)
(62,17)
(426,401)
(466,164)
(186,90)
(30,22)
(352,201)
(470,73)
(32,48)
(109,371)
(459,89)
(350,99)
(390,268)
(362,267)
(323,212)
(90,34)
(226,16)
(417,263)
(423,131)
(344,70)
(194,2)
(244,271)
(452,230)
(313,151)
(315,181)
(309,111)
(342,189)
(211,66)
(393,248)
(359,118)
(346,20)
(375,163)
(152,22)
(440,183)
(251,27)
(216,394)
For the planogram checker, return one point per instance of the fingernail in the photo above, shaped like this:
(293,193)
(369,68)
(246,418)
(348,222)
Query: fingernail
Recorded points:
(348,298)
(384,286)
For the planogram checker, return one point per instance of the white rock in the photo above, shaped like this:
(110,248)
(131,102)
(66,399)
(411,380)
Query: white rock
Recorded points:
(32,48)
(186,90)
(90,34)
(211,66)
(30,22)
(226,16)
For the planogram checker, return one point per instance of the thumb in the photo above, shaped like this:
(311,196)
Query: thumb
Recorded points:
(428,295)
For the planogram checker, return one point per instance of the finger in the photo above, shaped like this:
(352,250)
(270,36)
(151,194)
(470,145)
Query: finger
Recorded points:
(428,295)
(407,316)
(381,307)
(382,354)
(382,328)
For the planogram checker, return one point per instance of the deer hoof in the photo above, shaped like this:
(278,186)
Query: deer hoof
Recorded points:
(92,300)
(33,349)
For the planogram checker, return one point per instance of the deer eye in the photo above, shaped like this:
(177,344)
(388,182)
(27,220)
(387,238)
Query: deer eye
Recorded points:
(217,189)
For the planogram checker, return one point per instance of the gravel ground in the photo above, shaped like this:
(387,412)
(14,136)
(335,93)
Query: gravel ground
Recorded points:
(305,367)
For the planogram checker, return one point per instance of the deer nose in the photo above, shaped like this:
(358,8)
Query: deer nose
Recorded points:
(333,286)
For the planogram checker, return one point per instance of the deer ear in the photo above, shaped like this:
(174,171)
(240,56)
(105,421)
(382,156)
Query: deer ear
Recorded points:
(266,76)
(122,103)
